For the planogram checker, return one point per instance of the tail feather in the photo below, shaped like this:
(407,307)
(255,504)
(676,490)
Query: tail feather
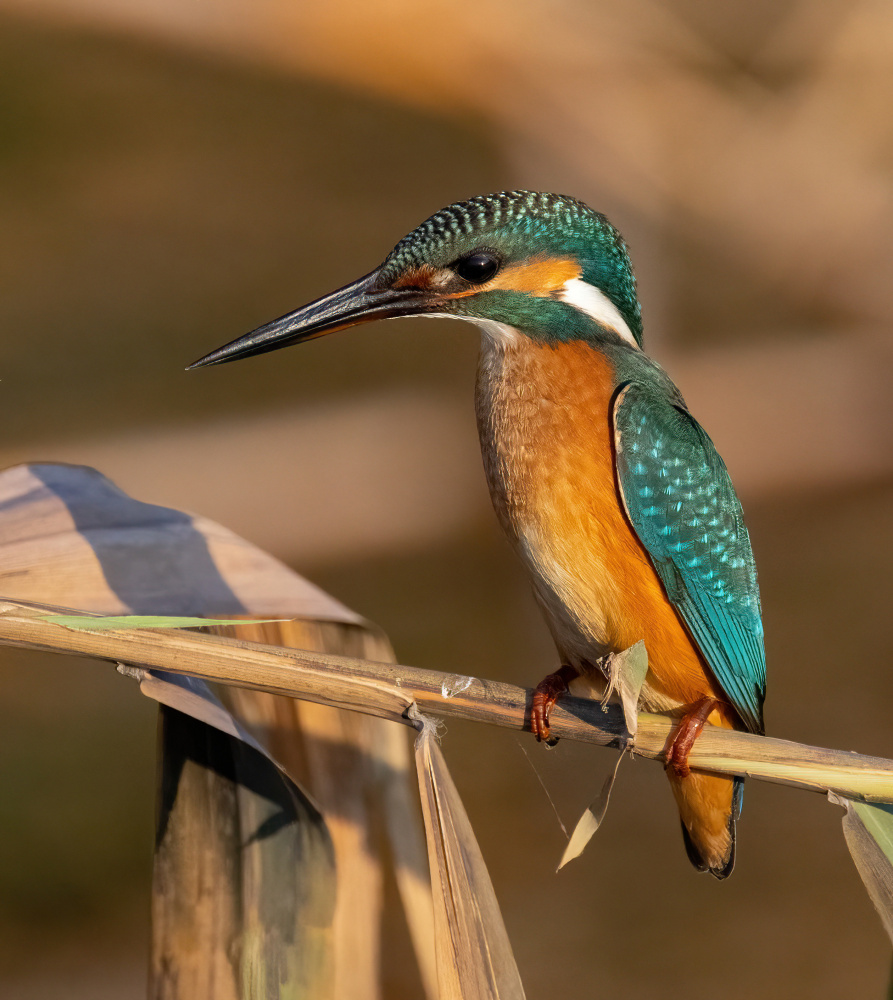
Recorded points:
(694,856)
(709,806)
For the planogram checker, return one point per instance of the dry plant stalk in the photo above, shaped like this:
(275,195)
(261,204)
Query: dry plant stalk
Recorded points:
(388,690)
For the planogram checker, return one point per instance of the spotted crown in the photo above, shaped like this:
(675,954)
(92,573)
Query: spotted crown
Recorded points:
(531,220)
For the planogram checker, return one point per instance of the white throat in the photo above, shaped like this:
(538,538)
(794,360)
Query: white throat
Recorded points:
(496,333)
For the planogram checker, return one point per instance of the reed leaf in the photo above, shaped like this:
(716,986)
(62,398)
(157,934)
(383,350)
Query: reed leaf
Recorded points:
(591,820)
(243,858)
(868,829)
(628,670)
(474,957)
(245,901)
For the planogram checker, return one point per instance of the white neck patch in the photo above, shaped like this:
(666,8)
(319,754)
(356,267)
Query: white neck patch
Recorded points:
(595,304)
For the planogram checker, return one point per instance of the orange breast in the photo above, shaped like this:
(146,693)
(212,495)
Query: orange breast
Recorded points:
(544,415)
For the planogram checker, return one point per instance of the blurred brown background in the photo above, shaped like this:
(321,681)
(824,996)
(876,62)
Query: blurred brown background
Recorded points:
(174,173)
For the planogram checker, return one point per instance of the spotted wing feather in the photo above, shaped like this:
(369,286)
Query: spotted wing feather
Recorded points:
(683,507)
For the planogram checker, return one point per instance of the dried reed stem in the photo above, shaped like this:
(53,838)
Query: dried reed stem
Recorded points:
(388,690)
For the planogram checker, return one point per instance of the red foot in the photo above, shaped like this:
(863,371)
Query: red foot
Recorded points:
(546,693)
(687,732)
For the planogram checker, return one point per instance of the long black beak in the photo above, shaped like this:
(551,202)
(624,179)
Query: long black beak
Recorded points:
(358,302)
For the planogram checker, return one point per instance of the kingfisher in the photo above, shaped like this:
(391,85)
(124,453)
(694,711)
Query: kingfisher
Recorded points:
(609,490)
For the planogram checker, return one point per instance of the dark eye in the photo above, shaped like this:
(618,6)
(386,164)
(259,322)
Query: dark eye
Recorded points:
(477,267)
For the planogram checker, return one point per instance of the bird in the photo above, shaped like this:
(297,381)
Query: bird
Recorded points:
(611,493)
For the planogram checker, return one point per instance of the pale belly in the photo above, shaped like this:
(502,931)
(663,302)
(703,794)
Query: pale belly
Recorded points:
(544,416)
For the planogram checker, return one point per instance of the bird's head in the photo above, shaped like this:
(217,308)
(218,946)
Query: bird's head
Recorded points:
(542,265)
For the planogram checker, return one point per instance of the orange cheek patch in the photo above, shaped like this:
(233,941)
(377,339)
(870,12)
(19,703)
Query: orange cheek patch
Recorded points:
(541,276)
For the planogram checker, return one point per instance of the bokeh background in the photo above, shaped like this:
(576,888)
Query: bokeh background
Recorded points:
(173,173)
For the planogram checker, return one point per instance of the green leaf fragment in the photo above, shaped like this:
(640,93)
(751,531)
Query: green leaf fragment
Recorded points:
(877,818)
(120,623)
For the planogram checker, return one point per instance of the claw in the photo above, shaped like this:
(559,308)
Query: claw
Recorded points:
(546,693)
(686,733)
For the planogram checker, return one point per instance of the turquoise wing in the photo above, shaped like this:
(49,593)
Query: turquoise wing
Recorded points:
(682,505)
